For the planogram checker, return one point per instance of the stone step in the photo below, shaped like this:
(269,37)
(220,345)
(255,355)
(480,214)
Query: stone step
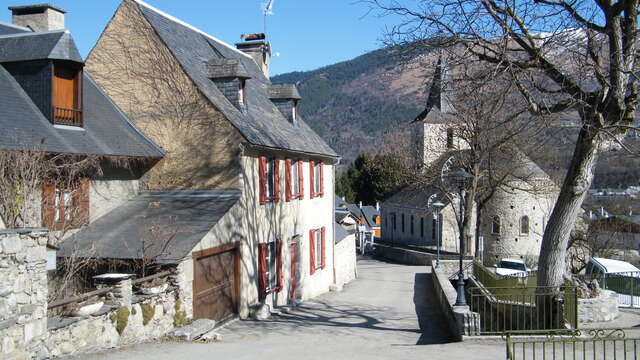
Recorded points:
(194,330)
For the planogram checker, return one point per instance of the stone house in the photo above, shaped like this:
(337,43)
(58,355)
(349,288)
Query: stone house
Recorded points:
(49,104)
(511,222)
(248,183)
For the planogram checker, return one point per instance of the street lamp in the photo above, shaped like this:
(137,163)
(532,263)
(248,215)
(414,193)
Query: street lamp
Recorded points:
(437,206)
(460,180)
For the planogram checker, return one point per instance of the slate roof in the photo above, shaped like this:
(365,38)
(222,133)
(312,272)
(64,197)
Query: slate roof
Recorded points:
(284,91)
(56,45)
(369,212)
(106,130)
(225,68)
(262,124)
(438,109)
(340,233)
(6,29)
(416,196)
(119,234)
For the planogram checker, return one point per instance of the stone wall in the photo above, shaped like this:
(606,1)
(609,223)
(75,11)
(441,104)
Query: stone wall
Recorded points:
(23,293)
(601,309)
(146,318)
(346,270)
(462,321)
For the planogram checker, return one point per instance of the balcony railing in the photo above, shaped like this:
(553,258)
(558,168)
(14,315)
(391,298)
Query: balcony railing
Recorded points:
(65,116)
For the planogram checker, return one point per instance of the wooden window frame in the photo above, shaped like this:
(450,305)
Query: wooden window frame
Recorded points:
(264,267)
(67,116)
(314,265)
(242,91)
(53,204)
(316,181)
(263,175)
(290,181)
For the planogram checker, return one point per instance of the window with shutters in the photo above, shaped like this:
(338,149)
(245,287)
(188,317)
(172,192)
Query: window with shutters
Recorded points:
(317,249)
(316,170)
(269,173)
(293,179)
(271,267)
(67,95)
(65,205)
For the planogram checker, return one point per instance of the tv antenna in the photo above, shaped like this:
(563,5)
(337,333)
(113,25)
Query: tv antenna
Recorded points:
(268,10)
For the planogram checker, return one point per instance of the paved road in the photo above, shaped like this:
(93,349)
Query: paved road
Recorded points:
(387,313)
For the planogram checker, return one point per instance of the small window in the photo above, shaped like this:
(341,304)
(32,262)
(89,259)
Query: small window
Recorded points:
(495,226)
(316,178)
(434,228)
(317,249)
(294,111)
(293,180)
(393,220)
(269,174)
(242,92)
(422,227)
(524,225)
(65,205)
(67,95)
(402,222)
(411,225)
(270,266)
(449,138)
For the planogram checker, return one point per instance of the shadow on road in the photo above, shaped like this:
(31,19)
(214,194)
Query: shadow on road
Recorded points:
(433,323)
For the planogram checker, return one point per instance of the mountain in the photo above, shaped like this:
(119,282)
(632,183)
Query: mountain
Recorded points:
(354,105)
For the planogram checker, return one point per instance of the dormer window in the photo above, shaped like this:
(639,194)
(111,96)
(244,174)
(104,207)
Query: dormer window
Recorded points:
(294,111)
(286,97)
(242,92)
(67,95)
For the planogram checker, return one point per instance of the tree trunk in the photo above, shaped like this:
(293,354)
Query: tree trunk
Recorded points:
(469,202)
(551,266)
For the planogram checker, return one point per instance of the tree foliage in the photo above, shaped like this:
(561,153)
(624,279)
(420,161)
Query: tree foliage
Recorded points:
(371,179)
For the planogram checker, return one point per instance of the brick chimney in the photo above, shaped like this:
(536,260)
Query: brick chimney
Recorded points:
(256,46)
(39,17)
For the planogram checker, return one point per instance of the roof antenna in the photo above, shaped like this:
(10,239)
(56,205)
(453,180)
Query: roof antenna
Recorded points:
(268,10)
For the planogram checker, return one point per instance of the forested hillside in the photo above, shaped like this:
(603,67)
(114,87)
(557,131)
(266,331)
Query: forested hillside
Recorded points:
(355,105)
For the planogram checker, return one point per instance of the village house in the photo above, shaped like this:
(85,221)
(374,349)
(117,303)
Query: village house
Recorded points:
(511,223)
(246,185)
(50,105)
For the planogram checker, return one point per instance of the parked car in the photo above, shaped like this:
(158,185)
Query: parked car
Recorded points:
(512,267)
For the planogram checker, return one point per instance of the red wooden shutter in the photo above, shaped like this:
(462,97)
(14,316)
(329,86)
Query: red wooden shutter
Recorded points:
(312,251)
(323,247)
(300,181)
(48,210)
(262,173)
(279,264)
(321,193)
(276,179)
(287,180)
(82,202)
(262,271)
(312,191)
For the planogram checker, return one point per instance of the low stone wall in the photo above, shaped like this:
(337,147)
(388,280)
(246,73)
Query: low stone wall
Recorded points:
(23,293)
(410,257)
(147,318)
(601,309)
(345,260)
(462,321)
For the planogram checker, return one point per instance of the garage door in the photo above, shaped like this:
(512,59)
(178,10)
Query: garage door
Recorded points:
(215,283)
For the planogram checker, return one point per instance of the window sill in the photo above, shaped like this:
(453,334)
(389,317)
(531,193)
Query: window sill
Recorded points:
(68,127)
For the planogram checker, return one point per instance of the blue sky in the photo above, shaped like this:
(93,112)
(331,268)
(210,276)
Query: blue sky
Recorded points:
(307,33)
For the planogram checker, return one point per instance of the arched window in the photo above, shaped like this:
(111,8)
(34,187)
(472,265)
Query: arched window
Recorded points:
(495,226)
(524,225)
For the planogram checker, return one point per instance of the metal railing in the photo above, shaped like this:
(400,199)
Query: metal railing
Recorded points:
(573,344)
(626,284)
(524,308)
(66,116)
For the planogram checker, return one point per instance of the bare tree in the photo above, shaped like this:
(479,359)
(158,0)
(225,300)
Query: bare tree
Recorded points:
(561,55)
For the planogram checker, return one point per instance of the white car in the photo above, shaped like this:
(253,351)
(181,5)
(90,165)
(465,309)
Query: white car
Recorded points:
(512,267)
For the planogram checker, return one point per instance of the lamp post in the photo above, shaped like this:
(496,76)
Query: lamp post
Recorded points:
(460,179)
(437,206)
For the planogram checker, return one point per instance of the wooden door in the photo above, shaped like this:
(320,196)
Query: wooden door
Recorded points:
(215,283)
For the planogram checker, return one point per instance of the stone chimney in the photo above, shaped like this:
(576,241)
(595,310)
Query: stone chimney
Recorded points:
(256,46)
(40,17)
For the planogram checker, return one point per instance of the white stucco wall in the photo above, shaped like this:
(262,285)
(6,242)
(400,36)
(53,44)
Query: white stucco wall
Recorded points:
(346,260)
(106,195)
(250,223)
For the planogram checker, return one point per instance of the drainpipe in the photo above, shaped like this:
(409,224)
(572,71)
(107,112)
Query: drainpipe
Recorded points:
(333,220)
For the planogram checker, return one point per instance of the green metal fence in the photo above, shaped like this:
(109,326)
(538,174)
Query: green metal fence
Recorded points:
(626,284)
(573,344)
(489,279)
(523,308)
